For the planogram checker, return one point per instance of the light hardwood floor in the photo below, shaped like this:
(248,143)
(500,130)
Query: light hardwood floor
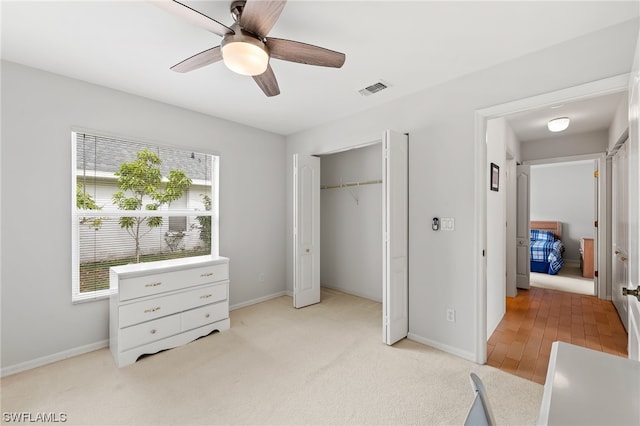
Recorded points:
(537,317)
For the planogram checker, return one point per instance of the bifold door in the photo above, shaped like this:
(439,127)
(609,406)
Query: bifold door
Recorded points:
(395,222)
(306,230)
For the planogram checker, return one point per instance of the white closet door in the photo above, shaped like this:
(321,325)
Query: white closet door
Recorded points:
(523,251)
(306,230)
(395,219)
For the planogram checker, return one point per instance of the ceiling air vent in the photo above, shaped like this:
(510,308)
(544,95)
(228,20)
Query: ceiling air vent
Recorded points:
(374,88)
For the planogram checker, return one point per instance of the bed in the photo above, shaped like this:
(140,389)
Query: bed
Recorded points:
(547,248)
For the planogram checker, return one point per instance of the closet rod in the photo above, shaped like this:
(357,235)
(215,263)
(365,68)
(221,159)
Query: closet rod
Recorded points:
(344,185)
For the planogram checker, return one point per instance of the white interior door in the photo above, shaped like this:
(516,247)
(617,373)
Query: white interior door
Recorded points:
(395,220)
(306,230)
(596,222)
(619,234)
(523,267)
(511,289)
(633,304)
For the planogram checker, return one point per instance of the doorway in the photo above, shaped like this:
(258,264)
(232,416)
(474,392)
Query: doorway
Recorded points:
(590,90)
(351,221)
(565,192)
(393,236)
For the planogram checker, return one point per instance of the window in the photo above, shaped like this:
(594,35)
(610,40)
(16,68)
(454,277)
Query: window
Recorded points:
(137,202)
(177,224)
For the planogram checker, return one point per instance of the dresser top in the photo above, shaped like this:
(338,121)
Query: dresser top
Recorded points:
(587,387)
(168,265)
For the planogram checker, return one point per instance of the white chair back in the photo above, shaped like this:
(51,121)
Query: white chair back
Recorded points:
(480,413)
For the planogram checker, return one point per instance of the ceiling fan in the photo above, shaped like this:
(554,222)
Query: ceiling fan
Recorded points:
(245,48)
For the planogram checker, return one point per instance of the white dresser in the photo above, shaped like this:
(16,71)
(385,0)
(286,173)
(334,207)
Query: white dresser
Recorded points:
(586,387)
(161,305)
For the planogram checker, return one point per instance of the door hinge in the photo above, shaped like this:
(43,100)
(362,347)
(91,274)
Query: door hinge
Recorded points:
(596,174)
(595,223)
(482,253)
(595,274)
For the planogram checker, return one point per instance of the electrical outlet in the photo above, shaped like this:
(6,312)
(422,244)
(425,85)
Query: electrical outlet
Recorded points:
(261,277)
(451,315)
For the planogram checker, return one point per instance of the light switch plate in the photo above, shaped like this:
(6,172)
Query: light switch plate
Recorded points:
(447,223)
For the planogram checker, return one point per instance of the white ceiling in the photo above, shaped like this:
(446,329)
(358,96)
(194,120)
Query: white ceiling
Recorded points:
(412,45)
(587,115)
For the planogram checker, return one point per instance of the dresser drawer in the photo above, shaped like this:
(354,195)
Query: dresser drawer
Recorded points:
(151,284)
(149,332)
(205,315)
(149,309)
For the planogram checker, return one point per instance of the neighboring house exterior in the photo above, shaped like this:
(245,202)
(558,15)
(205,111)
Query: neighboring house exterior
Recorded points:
(97,160)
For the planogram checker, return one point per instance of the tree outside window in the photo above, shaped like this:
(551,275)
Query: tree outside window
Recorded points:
(129,197)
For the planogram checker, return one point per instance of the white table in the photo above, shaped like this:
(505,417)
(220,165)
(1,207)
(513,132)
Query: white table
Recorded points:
(587,387)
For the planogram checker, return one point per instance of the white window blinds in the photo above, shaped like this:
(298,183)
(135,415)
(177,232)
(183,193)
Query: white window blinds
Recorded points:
(137,202)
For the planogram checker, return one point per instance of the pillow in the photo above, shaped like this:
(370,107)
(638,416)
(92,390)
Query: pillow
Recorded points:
(541,235)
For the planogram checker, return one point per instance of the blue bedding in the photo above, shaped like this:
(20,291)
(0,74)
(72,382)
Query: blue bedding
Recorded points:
(546,252)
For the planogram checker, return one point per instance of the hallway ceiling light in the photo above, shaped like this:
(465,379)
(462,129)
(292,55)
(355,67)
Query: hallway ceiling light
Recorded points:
(558,124)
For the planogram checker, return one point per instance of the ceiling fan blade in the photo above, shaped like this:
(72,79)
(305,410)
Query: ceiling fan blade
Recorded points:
(295,51)
(199,60)
(196,18)
(259,16)
(267,82)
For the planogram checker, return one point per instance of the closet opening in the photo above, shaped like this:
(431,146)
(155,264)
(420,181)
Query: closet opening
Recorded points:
(338,242)
(351,222)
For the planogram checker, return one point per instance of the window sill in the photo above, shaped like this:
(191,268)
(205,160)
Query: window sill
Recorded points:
(91,296)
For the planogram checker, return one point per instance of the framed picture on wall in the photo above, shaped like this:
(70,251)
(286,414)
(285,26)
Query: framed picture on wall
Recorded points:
(495,177)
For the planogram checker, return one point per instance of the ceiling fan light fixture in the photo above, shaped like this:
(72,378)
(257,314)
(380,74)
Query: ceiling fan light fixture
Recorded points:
(558,124)
(244,54)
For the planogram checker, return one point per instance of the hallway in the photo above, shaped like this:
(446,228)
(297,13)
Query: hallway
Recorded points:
(537,317)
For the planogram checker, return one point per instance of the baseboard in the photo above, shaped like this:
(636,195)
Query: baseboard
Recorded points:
(258,300)
(441,346)
(39,362)
(352,293)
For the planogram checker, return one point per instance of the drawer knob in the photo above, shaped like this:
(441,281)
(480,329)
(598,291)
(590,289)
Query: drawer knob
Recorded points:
(153,331)
(206,296)
(207,316)
(148,311)
(208,274)
(153,284)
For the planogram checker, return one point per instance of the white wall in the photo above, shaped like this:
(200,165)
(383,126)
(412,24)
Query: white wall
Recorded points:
(496,221)
(38,110)
(440,123)
(565,146)
(350,230)
(565,192)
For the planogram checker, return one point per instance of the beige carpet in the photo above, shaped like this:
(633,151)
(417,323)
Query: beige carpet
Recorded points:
(324,364)
(568,279)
